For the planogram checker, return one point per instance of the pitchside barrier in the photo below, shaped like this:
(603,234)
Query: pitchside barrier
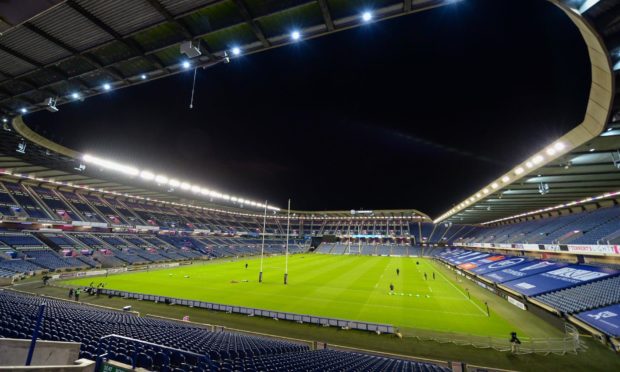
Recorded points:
(570,343)
(299,318)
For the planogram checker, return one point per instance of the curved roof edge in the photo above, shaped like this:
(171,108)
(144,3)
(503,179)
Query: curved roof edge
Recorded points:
(597,114)
(24,131)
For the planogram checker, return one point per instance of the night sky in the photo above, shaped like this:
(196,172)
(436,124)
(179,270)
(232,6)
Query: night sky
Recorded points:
(415,112)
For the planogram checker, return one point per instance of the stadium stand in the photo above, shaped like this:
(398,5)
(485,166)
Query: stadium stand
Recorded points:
(165,345)
(601,226)
(584,297)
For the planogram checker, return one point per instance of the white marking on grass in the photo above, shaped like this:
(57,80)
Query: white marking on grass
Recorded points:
(463,293)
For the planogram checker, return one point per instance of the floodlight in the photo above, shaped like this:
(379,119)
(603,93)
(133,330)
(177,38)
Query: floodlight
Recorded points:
(75,95)
(529,164)
(366,16)
(23,110)
(186,64)
(538,159)
(195,189)
(550,151)
(505,179)
(129,170)
(161,179)
(559,146)
(185,186)
(143,76)
(236,51)
(147,175)
(5,120)
(519,170)
(174,183)
(106,86)
(295,35)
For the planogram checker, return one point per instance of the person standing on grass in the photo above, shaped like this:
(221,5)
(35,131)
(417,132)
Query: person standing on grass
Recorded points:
(397,271)
(70,293)
(77,294)
(391,287)
(246,265)
(433,275)
(425,277)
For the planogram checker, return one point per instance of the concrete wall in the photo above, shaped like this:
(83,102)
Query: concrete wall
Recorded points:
(55,356)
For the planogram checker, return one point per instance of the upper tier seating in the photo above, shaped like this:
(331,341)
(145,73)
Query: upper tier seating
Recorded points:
(584,297)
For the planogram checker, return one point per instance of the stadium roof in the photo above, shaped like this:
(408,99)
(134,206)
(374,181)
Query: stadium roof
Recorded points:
(584,163)
(80,45)
(46,162)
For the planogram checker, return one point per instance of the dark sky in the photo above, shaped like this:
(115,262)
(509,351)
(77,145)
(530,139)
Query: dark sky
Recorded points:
(415,112)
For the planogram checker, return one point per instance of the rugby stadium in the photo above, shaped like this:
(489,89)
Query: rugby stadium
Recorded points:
(107,264)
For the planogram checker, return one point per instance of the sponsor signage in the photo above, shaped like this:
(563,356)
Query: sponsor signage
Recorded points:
(470,258)
(501,264)
(88,223)
(145,227)
(482,261)
(558,278)
(518,304)
(521,269)
(572,248)
(605,319)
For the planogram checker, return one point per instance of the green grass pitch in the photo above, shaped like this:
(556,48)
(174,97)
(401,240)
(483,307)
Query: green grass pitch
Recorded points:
(345,287)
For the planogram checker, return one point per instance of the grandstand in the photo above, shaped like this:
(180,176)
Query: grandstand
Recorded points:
(540,243)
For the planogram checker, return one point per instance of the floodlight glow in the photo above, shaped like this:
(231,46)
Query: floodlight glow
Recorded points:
(75,95)
(550,151)
(23,110)
(519,170)
(143,76)
(505,179)
(147,175)
(366,16)
(5,120)
(295,35)
(106,86)
(129,170)
(529,164)
(559,146)
(161,179)
(485,191)
(538,159)
(186,64)
(236,51)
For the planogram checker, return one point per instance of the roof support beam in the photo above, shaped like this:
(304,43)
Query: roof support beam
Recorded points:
(184,30)
(327,16)
(75,53)
(247,17)
(407,5)
(131,44)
